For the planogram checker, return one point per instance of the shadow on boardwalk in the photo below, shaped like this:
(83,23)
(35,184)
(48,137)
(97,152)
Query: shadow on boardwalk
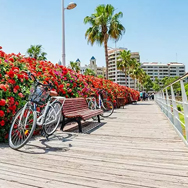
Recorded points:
(135,148)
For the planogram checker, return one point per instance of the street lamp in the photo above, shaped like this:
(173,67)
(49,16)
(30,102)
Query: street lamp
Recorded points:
(69,7)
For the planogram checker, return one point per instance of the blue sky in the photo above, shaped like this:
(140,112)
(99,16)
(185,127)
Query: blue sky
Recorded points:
(157,29)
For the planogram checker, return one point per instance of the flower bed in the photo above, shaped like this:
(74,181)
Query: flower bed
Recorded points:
(15,85)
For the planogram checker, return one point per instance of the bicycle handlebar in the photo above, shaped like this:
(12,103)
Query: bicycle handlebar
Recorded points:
(101,90)
(38,83)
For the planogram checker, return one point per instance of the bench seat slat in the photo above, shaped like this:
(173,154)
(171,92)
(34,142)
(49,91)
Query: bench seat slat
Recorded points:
(77,107)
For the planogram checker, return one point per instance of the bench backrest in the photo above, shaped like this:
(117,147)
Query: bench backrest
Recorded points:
(74,104)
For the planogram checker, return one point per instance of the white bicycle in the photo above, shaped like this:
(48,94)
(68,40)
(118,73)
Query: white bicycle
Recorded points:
(26,119)
(102,103)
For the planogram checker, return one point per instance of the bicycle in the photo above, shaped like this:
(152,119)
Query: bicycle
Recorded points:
(104,104)
(26,119)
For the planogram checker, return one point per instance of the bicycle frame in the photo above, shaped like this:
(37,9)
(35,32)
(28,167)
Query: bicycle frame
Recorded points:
(100,102)
(40,119)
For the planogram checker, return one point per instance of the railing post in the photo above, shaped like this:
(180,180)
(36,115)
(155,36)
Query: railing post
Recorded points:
(164,104)
(158,99)
(168,107)
(176,114)
(161,100)
(185,107)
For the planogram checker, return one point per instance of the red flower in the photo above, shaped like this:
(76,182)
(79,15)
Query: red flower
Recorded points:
(15,91)
(17,87)
(13,108)
(2,102)
(11,59)
(20,76)
(21,95)
(11,81)
(70,90)
(11,100)
(2,113)
(0,47)
(2,86)
(2,123)
(11,74)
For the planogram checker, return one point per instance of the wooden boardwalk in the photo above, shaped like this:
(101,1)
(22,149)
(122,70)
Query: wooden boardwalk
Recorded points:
(137,147)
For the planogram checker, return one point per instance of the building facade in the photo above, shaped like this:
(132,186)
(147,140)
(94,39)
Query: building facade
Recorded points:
(93,66)
(117,75)
(161,71)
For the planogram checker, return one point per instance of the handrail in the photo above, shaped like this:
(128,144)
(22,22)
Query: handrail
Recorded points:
(179,119)
(180,78)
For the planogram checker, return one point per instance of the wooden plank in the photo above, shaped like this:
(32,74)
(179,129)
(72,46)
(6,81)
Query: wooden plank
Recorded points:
(136,147)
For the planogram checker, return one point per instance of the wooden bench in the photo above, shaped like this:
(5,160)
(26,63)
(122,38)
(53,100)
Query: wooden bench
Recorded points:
(120,102)
(75,110)
(132,101)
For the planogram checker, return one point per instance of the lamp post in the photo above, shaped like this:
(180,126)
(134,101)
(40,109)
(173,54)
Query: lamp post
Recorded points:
(69,7)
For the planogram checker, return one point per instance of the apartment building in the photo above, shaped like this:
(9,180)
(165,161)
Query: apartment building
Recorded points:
(117,75)
(160,70)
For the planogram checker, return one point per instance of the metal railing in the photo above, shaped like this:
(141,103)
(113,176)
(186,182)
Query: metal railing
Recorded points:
(175,110)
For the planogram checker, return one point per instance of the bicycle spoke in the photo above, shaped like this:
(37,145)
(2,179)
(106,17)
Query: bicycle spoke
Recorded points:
(22,128)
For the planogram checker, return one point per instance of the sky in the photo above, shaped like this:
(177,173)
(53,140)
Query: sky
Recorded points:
(157,29)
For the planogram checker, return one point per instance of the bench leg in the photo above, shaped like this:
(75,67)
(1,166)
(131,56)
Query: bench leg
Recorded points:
(63,123)
(98,118)
(79,125)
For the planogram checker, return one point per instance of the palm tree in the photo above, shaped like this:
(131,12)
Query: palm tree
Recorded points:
(35,51)
(74,66)
(134,72)
(124,63)
(105,25)
(148,84)
(89,72)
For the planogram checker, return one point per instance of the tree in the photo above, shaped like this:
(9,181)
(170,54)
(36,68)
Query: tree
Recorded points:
(156,85)
(124,63)
(168,80)
(134,72)
(100,76)
(105,25)
(148,84)
(89,72)
(74,66)
(35,51)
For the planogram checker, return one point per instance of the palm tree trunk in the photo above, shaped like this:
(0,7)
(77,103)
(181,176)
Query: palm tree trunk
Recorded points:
(135,83)
(125,78)
(106,54)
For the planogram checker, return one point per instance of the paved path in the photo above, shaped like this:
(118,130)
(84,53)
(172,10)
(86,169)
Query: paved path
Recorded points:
(137,147)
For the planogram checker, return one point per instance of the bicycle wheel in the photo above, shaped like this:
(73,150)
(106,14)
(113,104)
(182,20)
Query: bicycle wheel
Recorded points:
(52,118)
(91,106)
(108,108)
(22,127)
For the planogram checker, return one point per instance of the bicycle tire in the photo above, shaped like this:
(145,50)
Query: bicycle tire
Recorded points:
(17,130)
(51,112)
(108,108)
(91,106)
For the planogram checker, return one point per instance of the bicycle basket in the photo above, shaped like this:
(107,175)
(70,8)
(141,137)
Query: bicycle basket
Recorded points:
(39,94)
